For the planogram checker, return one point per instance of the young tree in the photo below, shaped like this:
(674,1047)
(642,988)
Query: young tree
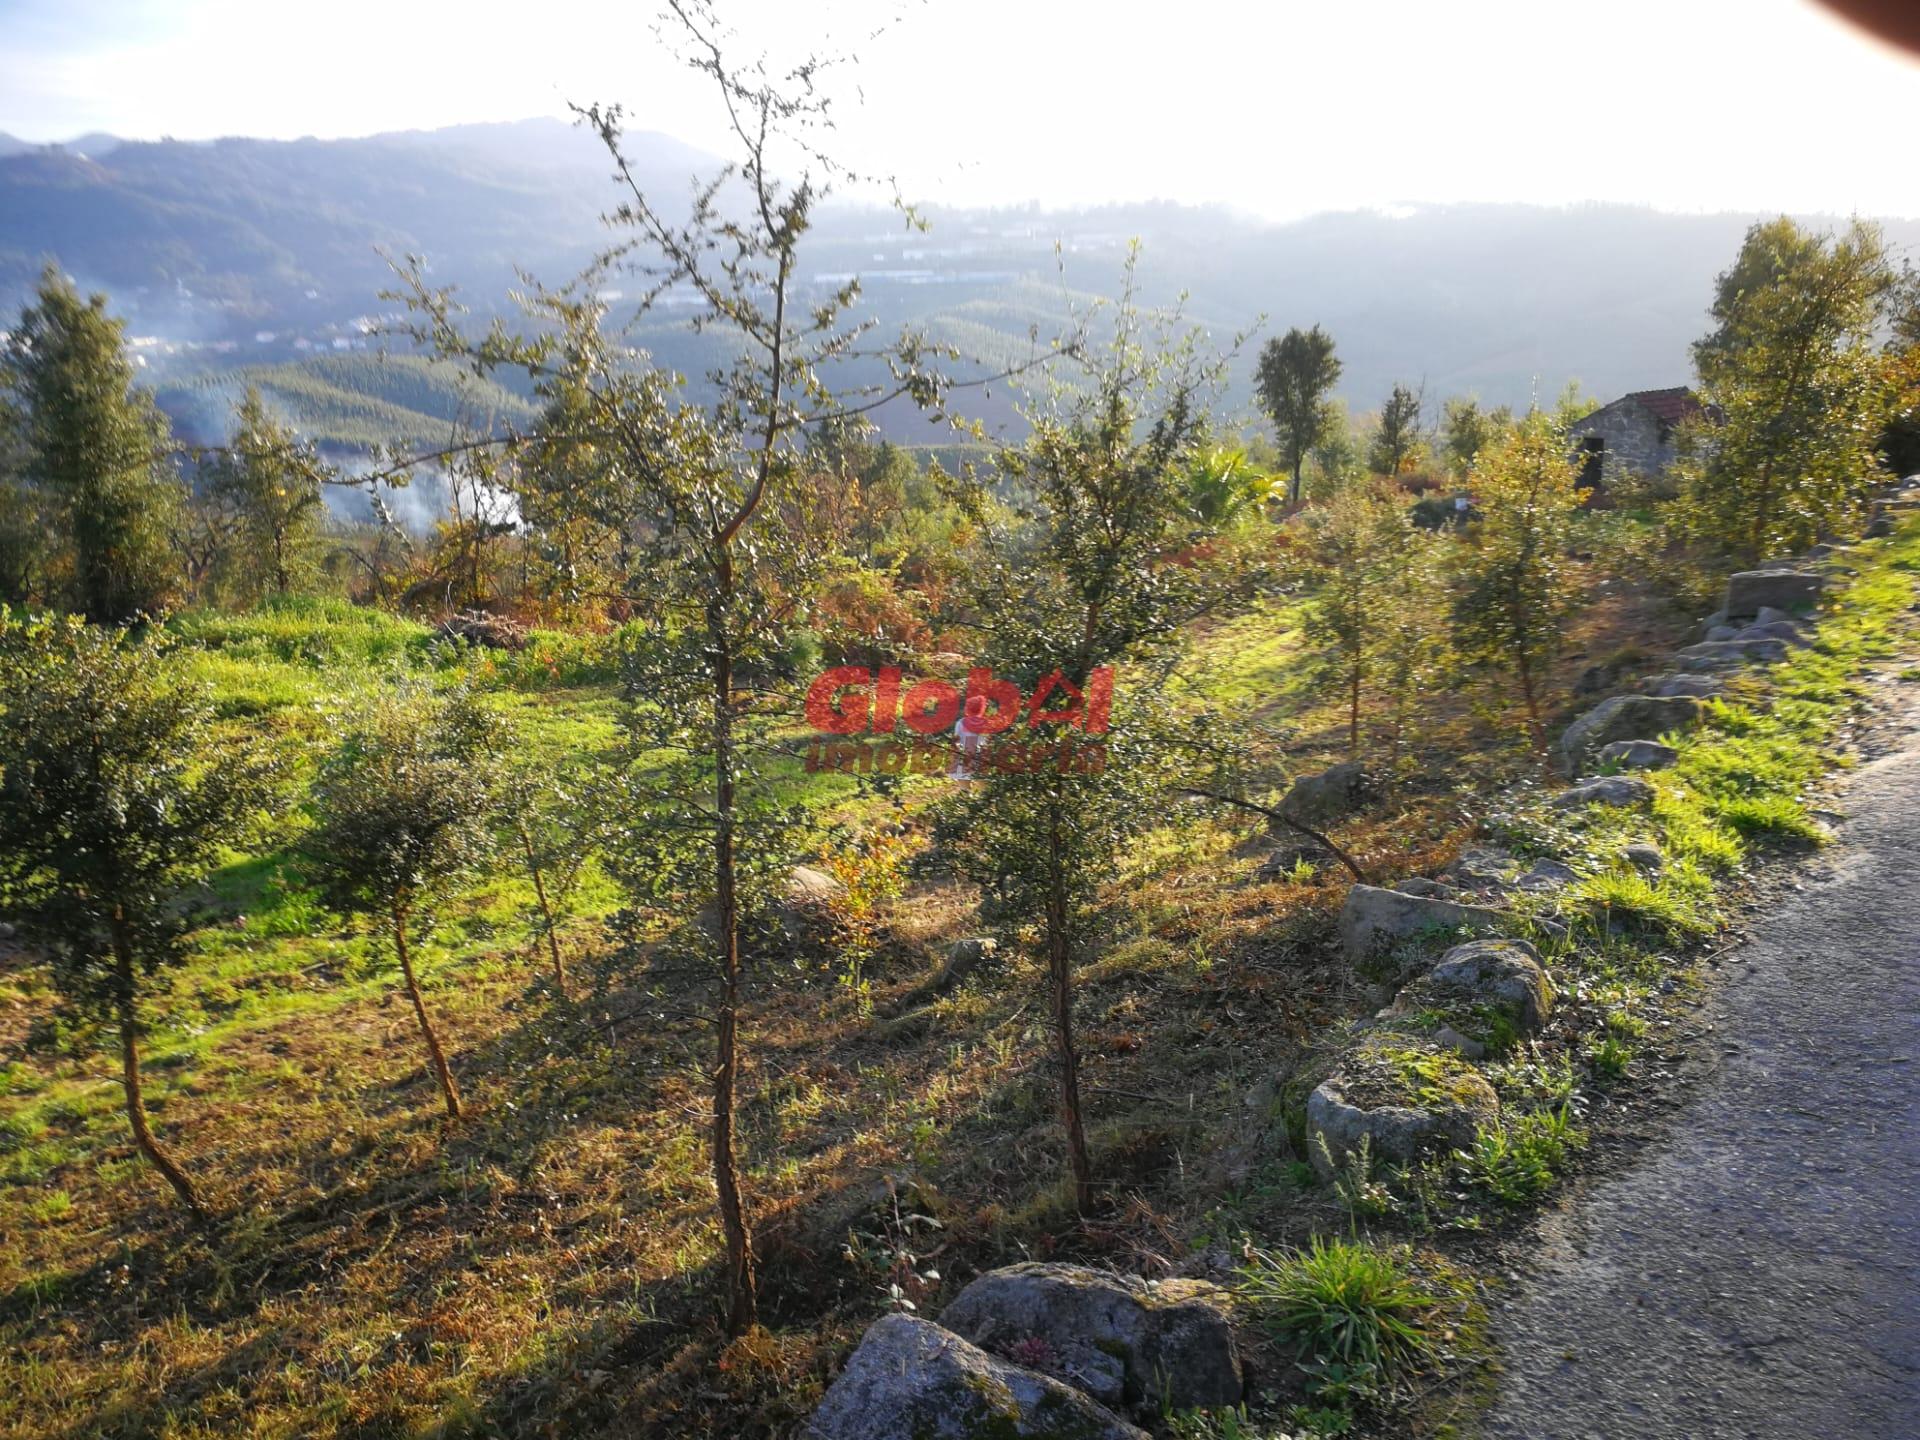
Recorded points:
(117,799)
(270,481)
(1358,542)
(1397,438)
(1799,387)
(1411,646)
(1339,459)
(1293,377)
(1515,590)
(1102,576)
(714,500)
(96,446)
(558,820)
(1467,430)
(403,807)
(859,485)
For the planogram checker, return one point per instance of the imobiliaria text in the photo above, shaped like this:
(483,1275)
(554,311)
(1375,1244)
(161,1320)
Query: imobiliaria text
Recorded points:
(986,727)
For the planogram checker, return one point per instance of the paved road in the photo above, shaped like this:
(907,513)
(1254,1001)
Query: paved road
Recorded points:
(1757,1273)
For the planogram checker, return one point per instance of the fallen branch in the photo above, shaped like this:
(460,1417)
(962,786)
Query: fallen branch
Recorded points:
(1287,820)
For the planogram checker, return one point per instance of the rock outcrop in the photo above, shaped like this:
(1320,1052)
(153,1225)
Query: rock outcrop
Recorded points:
(1637,754)
(1375,920)
(1607,790)
(1329,795)
(912,1380)
(1623,717)
(1400,1119)
(1545,877)
(1122,1340)
(1777,587)
(1674,685)
(1644,856)
(1730,654)
(1503,974)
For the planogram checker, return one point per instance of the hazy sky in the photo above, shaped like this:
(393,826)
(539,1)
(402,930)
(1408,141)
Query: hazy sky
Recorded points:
(1279,107)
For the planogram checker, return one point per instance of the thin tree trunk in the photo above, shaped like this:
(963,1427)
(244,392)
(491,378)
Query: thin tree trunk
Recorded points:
(1060,970)
(448,1090)
(1535,725)
(742,1299)
(546,911)
(130,1079)
(1762,515)
(1299,464)
(1353,714)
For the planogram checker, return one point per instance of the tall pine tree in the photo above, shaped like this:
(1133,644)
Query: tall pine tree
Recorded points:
(96,447)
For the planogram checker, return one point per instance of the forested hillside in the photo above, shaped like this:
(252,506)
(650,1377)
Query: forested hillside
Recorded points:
(210,247)
(346,402)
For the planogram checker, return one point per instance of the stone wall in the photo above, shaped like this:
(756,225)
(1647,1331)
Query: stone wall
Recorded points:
(1636,441)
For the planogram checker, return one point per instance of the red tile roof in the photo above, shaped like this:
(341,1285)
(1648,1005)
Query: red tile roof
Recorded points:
(1670,406)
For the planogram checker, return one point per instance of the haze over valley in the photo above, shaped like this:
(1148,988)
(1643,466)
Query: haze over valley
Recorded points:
(248,260)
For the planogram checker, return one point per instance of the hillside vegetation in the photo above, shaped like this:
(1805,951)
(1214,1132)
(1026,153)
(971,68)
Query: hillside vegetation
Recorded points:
(350,402)
(628,951)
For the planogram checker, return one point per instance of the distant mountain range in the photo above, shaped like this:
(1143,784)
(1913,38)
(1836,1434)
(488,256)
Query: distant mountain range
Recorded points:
(249,259)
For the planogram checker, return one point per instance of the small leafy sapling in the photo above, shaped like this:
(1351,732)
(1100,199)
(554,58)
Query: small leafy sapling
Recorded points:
(1103,574)
(705,501)
(555,818)
(1400,435)
(1515,582)
(118,797)
(270,481)
(404,806)
(1357,544)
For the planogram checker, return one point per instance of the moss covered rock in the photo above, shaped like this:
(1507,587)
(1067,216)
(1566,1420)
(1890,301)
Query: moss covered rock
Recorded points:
(910,1379)
(1123,1339)
(1402,1098)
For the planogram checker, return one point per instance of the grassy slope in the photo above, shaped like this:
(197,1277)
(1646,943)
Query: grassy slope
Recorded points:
(548,1264)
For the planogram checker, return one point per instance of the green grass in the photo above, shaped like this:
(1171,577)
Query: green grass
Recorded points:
(1517,1161)
(1770,817)
(1677,902)
(1250,665)
(1355,1312)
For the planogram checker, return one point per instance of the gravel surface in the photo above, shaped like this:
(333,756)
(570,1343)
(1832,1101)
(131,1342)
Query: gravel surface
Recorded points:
(1754,1274)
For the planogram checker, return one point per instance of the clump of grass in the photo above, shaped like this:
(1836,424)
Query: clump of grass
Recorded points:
(1517,1161)
(1354,1183)
(1360,1313)
(1609,1058)
(1772,817)
(1674,902)
(1237,1422)
(1694,832)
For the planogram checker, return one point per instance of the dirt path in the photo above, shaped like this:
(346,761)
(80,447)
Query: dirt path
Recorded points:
(1757,1273)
